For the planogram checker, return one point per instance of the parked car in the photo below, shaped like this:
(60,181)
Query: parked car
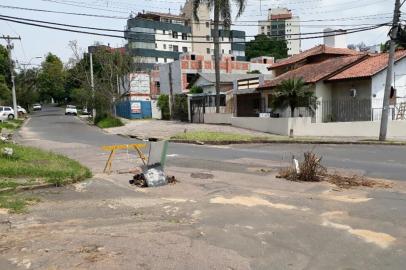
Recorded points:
(71,110)
(21,110)
(37,107)
(6,113)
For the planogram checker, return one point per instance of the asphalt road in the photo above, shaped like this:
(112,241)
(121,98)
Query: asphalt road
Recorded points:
(222,214)
(371,160)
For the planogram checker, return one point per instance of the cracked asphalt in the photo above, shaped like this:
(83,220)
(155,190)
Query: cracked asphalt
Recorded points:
(225,212)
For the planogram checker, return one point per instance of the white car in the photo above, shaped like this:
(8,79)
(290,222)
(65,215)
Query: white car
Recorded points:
(6,113)
(71,110)
(37,107)
(21,110)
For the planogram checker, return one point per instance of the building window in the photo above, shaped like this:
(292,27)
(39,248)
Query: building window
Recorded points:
(156,46)
(208,50)
(208,38)
(170,47)
(163,32)
(175,48)
(166,60)
(164,46)
(175,34)
(222,51)
(262,28)
(156,59)
(207,25)
(230,52)
(184,49)
(184,36)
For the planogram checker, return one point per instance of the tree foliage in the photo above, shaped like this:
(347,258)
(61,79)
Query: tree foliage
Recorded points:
(293,93)
(51,79)
(163,105)
(196,90)
(26,87)
(263,45)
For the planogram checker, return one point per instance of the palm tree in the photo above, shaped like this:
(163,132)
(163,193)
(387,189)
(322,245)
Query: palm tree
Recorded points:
(293,93)
(222,9)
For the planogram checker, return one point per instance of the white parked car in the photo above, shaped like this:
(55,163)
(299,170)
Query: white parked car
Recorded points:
(71,110)
(21,110)
(37,107)
(6,113)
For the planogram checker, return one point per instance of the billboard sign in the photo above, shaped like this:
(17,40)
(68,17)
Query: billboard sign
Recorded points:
(135,107)
(140,83)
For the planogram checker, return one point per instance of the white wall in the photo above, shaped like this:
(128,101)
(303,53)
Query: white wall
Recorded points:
(303,126)
(156,112)
(217,118)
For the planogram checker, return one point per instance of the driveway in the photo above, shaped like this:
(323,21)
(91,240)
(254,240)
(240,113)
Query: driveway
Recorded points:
(213,218)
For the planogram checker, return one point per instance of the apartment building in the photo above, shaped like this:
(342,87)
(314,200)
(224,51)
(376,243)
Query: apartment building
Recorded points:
(158,38)
(282,24)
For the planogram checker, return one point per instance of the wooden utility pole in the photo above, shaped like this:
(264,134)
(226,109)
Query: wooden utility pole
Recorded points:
(393,36)
(10,47)
(92,86)
(171,101)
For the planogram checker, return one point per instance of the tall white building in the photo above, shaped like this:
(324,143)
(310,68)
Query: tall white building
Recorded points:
(335,38)
(281,24)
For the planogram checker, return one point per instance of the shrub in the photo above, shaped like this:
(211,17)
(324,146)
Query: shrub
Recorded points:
(163,105)
(196,90)
(109,122)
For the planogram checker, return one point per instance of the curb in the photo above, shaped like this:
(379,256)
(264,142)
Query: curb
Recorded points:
(286,142)
(25,188)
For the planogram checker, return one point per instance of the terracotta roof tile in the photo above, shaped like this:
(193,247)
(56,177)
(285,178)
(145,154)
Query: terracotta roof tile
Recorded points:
(315,72)
(368,67)
(321,49)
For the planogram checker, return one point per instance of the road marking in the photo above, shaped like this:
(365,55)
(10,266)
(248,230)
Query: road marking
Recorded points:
(254,201)
(383,240)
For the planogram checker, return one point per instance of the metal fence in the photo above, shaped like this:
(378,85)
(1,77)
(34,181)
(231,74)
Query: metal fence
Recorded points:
(353,109)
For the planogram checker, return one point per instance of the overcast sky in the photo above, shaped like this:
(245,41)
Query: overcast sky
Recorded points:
(38,41)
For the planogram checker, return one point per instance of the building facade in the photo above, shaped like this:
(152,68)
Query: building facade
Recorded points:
(158,38)
(281,24)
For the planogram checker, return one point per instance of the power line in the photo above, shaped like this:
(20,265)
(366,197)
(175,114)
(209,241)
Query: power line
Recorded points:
(355,18)
(183,41)
(153,34)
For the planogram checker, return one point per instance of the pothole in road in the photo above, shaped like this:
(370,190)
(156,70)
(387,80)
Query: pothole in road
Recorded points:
(202,175)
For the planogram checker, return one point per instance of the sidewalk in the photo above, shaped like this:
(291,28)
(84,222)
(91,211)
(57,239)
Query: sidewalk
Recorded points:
(167,129)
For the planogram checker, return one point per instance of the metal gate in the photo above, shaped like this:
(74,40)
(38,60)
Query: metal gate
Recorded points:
(197,109)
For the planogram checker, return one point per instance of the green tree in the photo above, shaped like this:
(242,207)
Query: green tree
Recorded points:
(51,79)
(5,91)
(293,93)
(263,45)
(222,10)
(26,87)
(80,97)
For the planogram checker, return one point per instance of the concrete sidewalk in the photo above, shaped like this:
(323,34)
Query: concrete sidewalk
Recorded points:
(166,129)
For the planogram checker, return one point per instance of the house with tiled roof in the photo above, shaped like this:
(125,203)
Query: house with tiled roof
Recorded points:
(349,85)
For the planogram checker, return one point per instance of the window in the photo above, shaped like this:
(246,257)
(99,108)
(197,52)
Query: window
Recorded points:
(175,48)
(208,38)
(262,27)
(175,34)
(184,49)
(207,25)
(164,46)
(230,52)
(156,46)
(163,32)
(184,36)
(222,51)
(156,59)
(208,50)
(170,47)
(193,57)
(166,60)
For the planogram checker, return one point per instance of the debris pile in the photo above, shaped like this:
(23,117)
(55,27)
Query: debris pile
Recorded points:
(311,170)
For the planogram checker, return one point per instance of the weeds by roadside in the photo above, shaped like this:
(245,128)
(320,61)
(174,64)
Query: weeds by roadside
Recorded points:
(311,170)
(109,122)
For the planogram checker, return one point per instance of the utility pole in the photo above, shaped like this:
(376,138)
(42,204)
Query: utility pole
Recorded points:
(10,47)
(393,36)
(171,102)
(92,86)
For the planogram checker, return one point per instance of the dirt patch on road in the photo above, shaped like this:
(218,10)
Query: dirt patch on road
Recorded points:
(254,201)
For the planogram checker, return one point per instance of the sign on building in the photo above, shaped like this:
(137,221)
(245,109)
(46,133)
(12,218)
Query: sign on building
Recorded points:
(140,83)
(136,107)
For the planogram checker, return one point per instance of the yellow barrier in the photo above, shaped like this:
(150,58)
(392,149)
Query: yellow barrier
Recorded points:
(113,148)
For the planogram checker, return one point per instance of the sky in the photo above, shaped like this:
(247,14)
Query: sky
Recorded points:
(37,42)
